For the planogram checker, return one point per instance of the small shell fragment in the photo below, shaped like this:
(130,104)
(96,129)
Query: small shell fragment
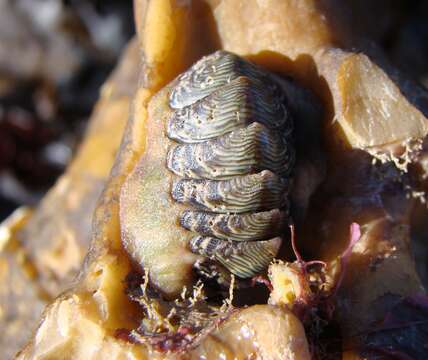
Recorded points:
(244,259)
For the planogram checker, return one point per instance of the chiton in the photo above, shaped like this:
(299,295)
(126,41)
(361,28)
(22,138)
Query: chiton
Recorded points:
(232,158)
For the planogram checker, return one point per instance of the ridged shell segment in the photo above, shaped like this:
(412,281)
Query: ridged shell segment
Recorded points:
(237,227)
(256,192)
(233,160)
(211,73)
(241,152)
(244,259)
(235,105)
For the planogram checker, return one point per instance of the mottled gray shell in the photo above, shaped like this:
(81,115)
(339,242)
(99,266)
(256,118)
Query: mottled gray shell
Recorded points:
(240,152)
(255,192)
(244,259)
(236,227)
(233,160)
(211,73)
(235,105)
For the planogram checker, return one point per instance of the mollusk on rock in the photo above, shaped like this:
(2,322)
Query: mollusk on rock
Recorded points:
(233,160)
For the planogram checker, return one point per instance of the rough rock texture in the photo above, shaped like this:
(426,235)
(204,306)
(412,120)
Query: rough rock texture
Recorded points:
(58,234)
(42,255)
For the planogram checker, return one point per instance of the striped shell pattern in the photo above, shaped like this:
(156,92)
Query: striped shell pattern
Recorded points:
(233,156)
